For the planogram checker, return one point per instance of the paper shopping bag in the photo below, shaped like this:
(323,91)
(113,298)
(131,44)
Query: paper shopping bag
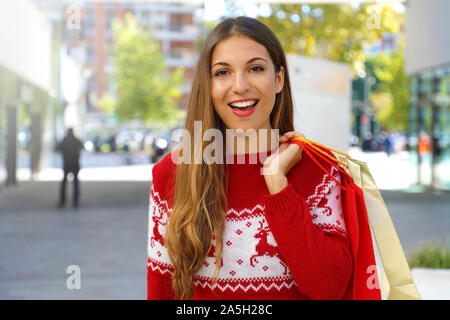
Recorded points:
(395,278)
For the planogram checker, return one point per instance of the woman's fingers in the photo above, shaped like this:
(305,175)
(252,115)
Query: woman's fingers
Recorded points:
(283,146)
(289,135)
(288,155)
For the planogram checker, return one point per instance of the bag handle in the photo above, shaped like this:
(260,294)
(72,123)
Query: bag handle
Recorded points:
(310,147)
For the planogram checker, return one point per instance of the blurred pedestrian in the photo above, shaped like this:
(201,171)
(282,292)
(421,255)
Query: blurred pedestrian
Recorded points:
(388,143)
(369,143)
(113,143)
(70,147)
(424,145)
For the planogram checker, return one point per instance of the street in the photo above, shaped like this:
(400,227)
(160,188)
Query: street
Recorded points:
(106,236)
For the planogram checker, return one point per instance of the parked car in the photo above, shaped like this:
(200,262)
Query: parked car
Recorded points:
(129,140)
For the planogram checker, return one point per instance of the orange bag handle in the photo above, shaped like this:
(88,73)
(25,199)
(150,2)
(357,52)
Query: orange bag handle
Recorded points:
(311,147)
(313,144)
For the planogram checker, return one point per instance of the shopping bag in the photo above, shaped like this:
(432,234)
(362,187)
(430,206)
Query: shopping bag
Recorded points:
(394,276)
(396,279)
(364,284)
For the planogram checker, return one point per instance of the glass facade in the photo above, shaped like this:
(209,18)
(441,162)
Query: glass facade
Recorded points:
(429,129)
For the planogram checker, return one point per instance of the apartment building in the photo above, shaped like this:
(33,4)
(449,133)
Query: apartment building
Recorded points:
(175,25)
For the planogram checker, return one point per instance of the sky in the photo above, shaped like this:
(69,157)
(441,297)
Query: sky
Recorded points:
(215,8)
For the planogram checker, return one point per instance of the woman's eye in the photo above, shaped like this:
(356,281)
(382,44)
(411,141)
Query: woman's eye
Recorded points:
(220,73)
(257,68)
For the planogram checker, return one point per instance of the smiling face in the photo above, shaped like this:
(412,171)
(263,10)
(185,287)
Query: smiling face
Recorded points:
(244,83)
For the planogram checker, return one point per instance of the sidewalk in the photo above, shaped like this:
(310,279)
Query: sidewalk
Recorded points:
(433,284)
(106,237)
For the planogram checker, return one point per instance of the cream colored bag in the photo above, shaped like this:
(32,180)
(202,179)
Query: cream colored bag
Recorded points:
(396,281)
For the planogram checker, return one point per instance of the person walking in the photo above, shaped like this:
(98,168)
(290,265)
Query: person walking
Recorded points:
(70,147)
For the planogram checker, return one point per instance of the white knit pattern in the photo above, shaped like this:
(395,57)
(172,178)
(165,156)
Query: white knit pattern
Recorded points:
(250,257)
(325,204)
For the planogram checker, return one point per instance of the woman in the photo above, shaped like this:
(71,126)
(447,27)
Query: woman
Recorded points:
(224,230)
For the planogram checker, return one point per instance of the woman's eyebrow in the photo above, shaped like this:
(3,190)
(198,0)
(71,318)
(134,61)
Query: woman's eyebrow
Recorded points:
(249,61)
(256,58)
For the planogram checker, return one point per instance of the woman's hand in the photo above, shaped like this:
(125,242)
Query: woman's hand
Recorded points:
(277,165)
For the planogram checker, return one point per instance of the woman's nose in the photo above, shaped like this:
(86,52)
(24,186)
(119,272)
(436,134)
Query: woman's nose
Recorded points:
(240,83)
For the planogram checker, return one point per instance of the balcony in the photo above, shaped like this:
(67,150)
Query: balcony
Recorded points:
(179,32)
(180,59)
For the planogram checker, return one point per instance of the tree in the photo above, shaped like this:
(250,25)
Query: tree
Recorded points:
(337,32)
(390,98)
(146,89)
(344,33)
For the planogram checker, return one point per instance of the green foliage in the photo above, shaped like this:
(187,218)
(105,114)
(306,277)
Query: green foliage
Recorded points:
(105,148)
(337,32)
(342,32)
(434,254)
(146,89)
(107,104)
(391,95)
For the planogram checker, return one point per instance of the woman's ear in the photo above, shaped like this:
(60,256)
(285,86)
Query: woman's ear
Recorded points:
(279,80)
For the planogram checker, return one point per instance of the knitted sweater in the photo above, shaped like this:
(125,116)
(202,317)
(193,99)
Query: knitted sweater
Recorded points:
(289,245)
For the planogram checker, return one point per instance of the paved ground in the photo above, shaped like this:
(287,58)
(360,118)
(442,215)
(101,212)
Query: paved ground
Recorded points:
(106,237)
(107,241)
(419,217)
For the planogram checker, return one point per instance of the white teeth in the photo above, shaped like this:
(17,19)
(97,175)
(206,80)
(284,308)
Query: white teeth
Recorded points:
(243,104)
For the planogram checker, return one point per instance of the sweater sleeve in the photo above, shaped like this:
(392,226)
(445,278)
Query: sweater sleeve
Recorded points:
(158,287)
(319,261)
(158,270)
(159,267)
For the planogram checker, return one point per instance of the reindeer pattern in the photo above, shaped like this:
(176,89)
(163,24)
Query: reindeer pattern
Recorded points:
(325,205)
(264,248)
(157,223)
(250,251)
(157,217)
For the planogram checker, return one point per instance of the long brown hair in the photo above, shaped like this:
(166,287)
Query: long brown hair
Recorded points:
(200,202)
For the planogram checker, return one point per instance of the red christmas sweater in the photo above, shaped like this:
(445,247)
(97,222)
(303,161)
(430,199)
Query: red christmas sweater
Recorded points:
(290,245)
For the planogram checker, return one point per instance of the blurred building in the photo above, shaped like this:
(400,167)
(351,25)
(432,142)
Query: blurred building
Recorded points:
(59,59)
(90,42)
(326,85)
(428,65)
(25,85)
